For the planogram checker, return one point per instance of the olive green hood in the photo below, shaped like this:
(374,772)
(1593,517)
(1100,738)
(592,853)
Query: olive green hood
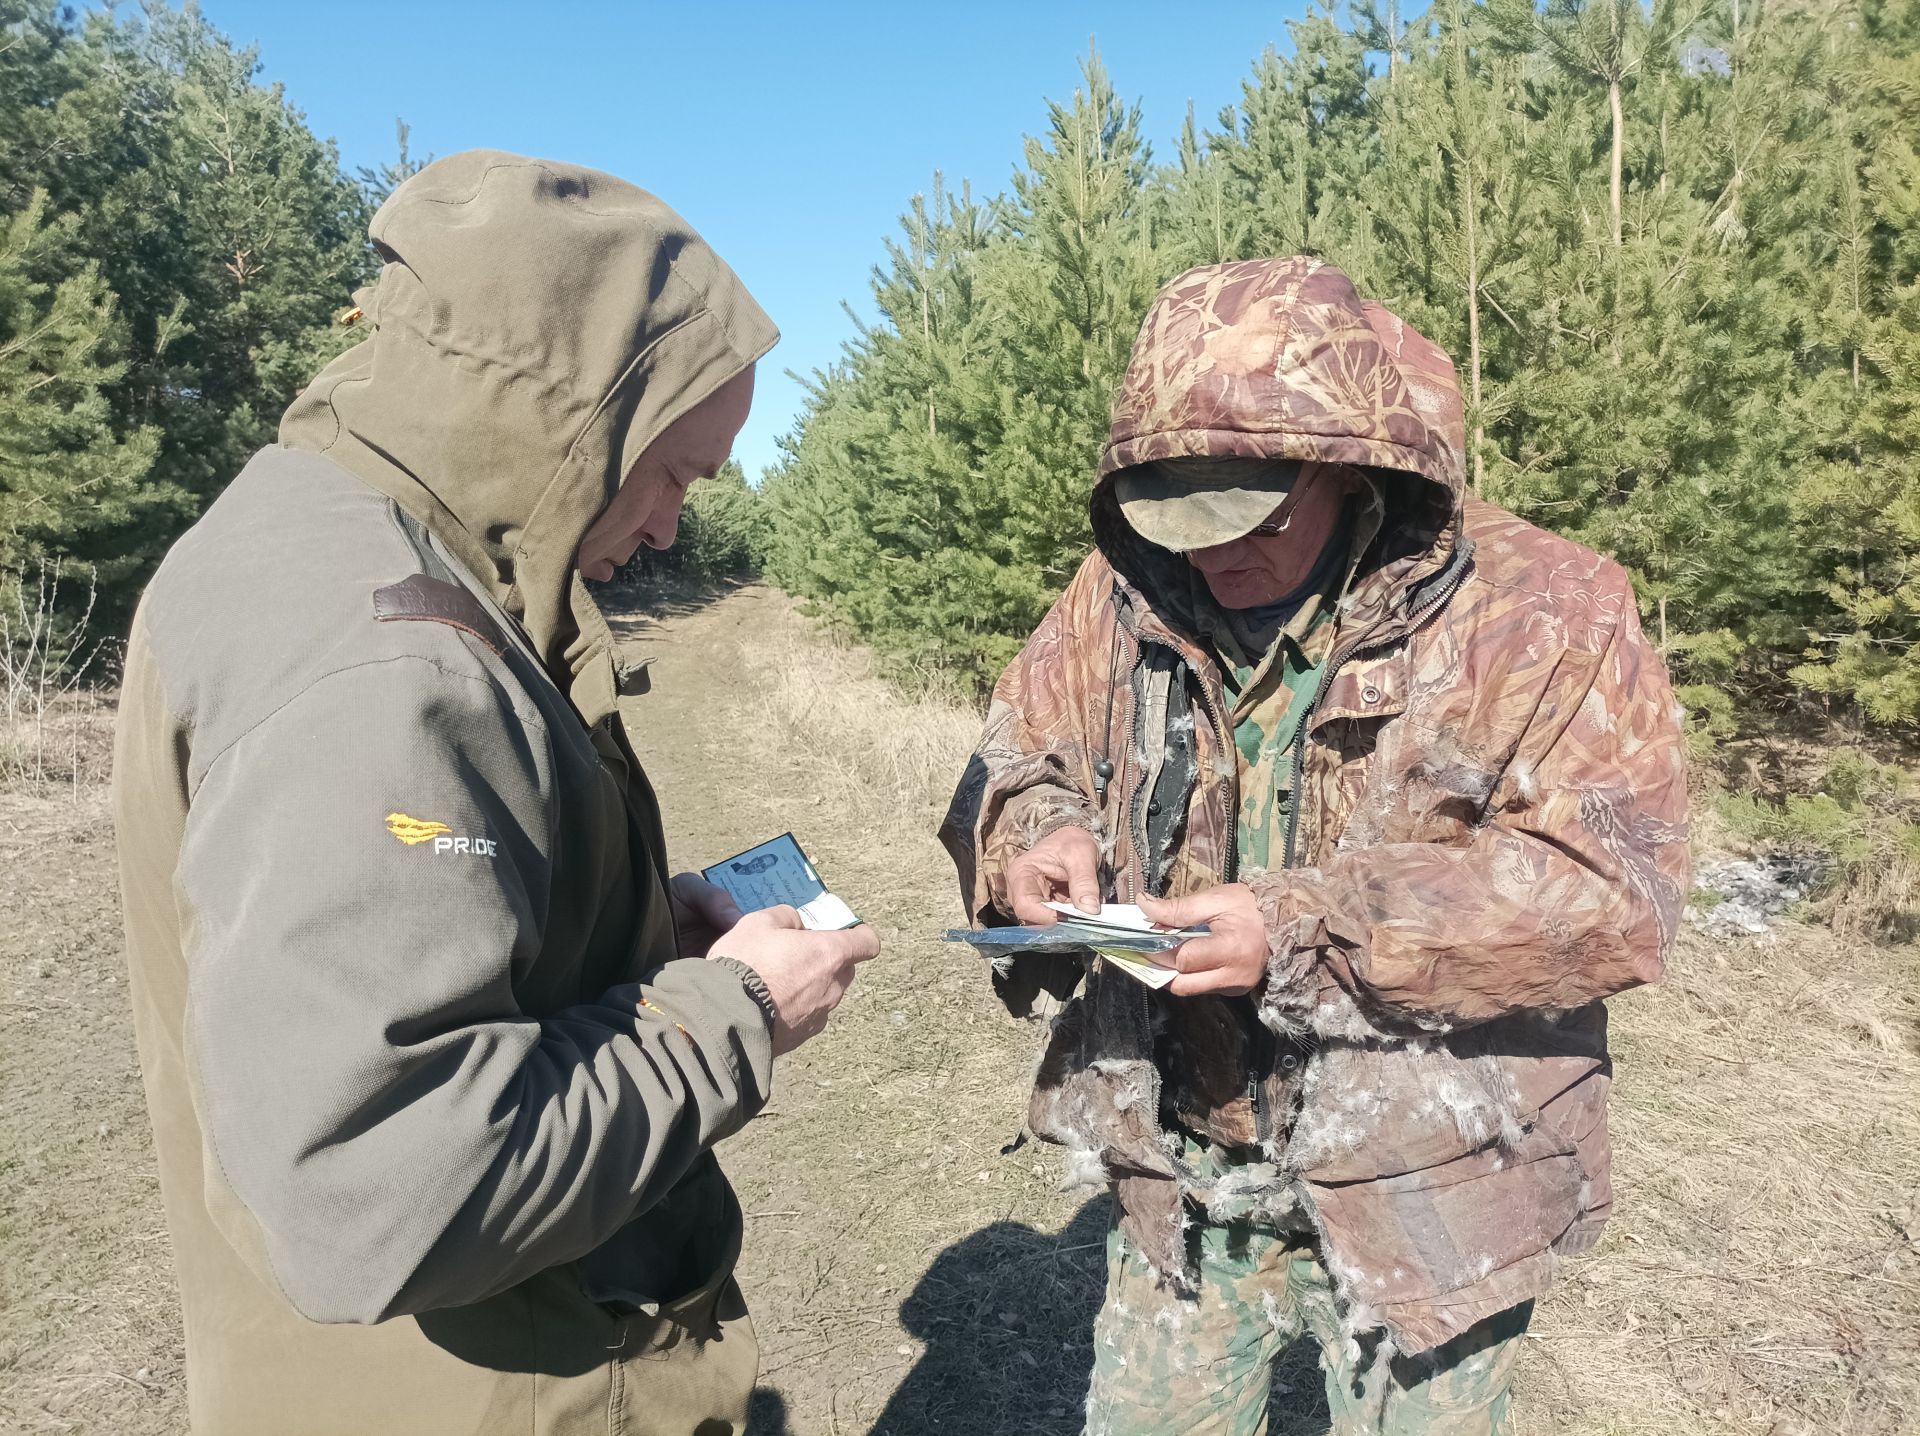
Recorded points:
(535,326)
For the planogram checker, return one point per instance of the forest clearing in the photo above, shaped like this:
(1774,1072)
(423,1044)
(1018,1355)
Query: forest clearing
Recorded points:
(911,1267)
(1588,331)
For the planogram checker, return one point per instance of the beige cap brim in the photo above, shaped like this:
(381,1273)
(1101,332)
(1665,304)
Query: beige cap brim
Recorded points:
(1183,514)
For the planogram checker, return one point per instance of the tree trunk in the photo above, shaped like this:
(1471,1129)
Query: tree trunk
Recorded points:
(1467,153)
(1619,152)
(926,337)
(1473,343)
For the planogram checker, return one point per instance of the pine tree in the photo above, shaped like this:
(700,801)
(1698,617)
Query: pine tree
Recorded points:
(935,499)
(1859,501)
(224,231)
(65,474)
(377,184)
(1671,247)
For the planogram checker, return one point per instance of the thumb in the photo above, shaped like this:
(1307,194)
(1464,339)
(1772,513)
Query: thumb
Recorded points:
(779,916)
(714,905)
(858,944)
(1086,896)
(1083,876)
(1188,911)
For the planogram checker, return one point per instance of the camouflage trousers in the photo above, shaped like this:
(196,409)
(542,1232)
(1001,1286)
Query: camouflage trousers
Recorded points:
(1204,1366)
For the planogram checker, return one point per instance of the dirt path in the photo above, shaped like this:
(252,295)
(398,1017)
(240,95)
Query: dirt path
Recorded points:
(89,1337)
(905,1276)
(911,1270)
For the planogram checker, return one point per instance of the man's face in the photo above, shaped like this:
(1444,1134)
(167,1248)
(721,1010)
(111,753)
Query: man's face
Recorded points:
(1260,569)
(647,508)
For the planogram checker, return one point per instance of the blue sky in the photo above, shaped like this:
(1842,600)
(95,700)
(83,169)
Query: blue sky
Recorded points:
(791,135)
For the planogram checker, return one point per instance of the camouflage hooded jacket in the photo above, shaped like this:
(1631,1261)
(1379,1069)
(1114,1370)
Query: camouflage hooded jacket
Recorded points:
(1488,835)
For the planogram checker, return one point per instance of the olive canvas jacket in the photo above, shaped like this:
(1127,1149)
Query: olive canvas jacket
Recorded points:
(1488,835)
(434,1095)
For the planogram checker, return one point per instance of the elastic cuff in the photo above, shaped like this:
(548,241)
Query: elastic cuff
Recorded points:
(1286,1001)
(755,985)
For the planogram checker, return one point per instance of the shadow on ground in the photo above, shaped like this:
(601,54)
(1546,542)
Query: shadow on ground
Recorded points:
(1007,1319)
(643,594)
(767,1414)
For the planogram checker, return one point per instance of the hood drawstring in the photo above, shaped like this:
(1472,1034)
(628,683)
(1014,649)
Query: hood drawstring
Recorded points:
(1103,769)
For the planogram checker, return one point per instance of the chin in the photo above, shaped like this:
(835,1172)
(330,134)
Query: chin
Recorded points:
(1232,593)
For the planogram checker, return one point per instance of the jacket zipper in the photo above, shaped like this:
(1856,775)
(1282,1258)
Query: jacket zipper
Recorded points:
(1256,1054)
(1132,810)
(1233,783)
(1133,813)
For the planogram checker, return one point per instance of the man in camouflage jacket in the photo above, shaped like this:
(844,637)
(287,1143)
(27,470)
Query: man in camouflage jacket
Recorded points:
(1432,825)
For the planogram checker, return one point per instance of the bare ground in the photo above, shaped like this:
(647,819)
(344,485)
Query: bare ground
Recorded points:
(912,1269)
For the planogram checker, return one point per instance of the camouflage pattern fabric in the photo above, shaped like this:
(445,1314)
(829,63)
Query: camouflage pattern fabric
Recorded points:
(1271,691)
(1268,359)
(1492,829)
(1203,1365)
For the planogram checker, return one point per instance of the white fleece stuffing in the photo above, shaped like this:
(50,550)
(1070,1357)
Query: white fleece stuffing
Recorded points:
(1084,1171)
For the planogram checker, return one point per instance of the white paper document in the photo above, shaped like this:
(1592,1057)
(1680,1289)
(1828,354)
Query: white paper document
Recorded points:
(1120,934)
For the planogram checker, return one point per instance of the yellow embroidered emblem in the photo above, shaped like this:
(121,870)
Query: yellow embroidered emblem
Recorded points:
(412,830)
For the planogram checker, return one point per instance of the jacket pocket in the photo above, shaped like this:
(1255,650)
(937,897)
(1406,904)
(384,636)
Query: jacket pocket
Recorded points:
(1383,1110)
(684,1362)
(689,1367)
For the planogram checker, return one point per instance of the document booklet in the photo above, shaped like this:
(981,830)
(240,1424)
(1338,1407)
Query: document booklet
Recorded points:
(1120,933)
(778,872)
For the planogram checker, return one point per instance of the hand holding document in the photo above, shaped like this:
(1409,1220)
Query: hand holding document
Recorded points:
(1119,933)
(805,958)
(777,872)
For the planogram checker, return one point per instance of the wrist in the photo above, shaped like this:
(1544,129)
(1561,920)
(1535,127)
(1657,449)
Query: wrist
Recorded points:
(755,985)
(1290,982)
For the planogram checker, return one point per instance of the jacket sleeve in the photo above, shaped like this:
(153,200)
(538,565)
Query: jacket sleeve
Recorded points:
(1571,889)
(363,875)
(1031,774)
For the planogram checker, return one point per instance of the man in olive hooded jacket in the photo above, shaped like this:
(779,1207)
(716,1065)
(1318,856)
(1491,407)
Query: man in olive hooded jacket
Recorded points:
(435,1059)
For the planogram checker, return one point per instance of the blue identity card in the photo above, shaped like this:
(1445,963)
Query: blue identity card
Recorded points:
(778,872)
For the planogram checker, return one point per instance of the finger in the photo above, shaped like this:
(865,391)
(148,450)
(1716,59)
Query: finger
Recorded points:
(859,944)
(779,916)
(713,904)
(1027,888)
(1200,954)
(1216,981)
(1083,876)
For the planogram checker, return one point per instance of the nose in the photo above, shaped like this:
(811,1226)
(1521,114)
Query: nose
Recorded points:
(663,525)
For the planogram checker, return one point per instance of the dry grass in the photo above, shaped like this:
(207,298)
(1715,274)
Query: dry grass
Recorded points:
(878,755)
(911,1271)
(89,1333)
(50,664)
(1761,1274)
(62,748)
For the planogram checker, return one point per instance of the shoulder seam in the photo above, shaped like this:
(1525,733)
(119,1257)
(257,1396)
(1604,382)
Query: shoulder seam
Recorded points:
(533,719)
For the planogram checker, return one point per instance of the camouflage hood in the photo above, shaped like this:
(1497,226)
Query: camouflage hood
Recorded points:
(535,327)
(1282,359)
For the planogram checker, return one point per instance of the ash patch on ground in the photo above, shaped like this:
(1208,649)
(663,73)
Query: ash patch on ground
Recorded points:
(1752,892)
